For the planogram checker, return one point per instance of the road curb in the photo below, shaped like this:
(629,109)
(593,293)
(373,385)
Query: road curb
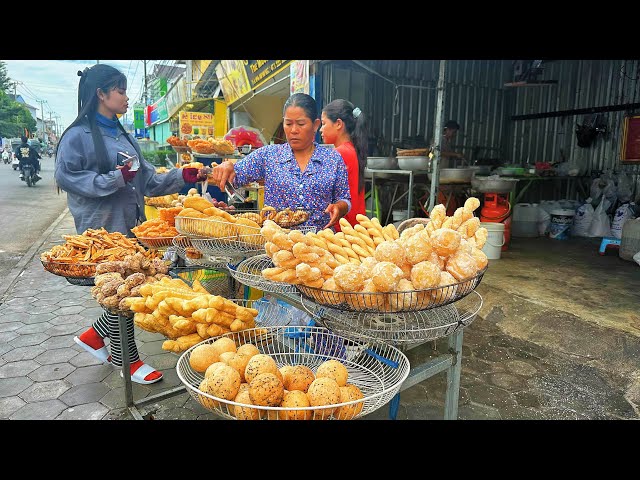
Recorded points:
(16,271)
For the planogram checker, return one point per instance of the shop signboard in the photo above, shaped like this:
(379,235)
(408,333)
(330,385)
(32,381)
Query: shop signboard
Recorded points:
(138,116)
(176,97)
(196,123)
(233,79)
(299,77)
(157,112)
(259,71)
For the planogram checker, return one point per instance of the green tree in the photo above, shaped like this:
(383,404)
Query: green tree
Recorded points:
(5,83)
(14,118)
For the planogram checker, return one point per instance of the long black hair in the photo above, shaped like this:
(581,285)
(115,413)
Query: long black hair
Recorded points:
(305,102)
(356,125)
(105,78)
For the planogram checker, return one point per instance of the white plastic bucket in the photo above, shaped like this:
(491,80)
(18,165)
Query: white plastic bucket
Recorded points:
(561,220)
(495,239)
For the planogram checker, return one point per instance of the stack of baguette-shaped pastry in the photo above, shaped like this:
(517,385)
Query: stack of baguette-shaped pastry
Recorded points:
(426,260)
(222,223)
(186,315)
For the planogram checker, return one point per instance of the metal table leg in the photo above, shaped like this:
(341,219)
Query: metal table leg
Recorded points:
(126,367)
(453,376)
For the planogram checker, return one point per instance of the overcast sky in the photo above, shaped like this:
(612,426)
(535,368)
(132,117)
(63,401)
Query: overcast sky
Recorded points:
(56,82)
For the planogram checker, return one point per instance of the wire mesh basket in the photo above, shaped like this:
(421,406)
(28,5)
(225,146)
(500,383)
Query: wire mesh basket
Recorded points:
(285,218)
(195,258)
(77,270)
(217,237)
(215,281)
(236,246)
(82,282)
(249,272)
(398,328)
(376,369)
(400,302)
(156,243)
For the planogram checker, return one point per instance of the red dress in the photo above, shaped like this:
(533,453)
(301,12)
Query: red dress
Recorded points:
(348,153)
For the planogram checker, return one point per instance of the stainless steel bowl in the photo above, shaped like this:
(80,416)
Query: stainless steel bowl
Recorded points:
(455,175)
(493,185)
(382,163)
(414,163)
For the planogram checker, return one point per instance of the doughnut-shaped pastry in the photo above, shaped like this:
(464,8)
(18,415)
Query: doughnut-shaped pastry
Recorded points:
(349,277)
(418,247)
(425,275)
(445,241)
(462,265)
(386,275)
(390,251)
(448,290)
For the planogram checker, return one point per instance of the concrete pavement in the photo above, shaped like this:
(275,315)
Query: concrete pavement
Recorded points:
(528,355)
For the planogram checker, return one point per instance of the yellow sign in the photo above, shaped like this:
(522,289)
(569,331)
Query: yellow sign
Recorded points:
(233,79)
(196,123)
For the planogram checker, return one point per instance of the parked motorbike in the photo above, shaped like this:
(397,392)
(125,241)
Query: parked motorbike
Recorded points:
(29,175)
(6,159)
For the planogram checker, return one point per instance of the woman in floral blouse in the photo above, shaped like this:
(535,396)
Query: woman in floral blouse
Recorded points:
(299,173)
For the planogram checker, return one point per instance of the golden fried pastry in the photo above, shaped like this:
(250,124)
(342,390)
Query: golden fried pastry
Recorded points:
(271,248)
(480,257)
(404,298)
(369,298)
(425,275)
(471,204)
(462,265)
(367,266)
(406,269)
(349,277)
(437,260)
(437,216)
(197,203)
(447,290)
(465,246)
(305,253)
(269,229)
(390,251)
(445,241)
(481,237)
(333,298)
(306,273)
(469,227)
(386,275)
(282,241)
(418,247)
(285,259)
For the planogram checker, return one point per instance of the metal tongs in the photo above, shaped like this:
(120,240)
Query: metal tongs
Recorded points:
(228,188)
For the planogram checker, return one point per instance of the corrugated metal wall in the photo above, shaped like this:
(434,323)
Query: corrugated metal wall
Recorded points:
(476,98)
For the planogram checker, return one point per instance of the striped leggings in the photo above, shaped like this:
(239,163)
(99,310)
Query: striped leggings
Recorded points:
(107,326)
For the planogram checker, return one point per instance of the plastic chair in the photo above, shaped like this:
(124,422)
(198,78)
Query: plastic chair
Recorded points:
(612,242)
(376,203)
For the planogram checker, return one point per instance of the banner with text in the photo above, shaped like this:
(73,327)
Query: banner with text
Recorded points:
(259,71)
(196,123)
(233,79)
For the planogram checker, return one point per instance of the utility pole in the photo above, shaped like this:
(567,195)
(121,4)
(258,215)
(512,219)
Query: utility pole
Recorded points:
(145,82)
(41,102)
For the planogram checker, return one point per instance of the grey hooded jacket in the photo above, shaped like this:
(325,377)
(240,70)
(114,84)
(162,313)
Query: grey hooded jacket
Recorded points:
(104,200)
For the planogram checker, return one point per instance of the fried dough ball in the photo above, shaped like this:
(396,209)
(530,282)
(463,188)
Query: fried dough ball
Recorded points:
(213,368)
(295,399)
(202,357)
(245,413)
(386,276)
(418,247)
(349,277)
(462,265)
(480,257)
(224,344)
(448,291)
(405,297)
(206,387)
(425,275)
(437,260)
(367,266)
(375,299)
(330,295)
(224,383)
(258,364)
(248,349)
(390,251)
(297,377)
(333,369)
(323,391)
(266,389)
(348,393)
(445,241)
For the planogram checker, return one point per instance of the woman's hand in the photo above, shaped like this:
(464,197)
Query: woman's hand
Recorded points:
(336,212)
(223,173)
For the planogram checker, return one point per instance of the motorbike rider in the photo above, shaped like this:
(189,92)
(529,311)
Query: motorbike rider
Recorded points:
(27,154)
(5,156)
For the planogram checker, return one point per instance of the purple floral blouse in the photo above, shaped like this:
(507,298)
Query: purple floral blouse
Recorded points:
(322,183)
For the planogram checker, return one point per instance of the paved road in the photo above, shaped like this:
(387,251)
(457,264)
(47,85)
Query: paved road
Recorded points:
(25,212)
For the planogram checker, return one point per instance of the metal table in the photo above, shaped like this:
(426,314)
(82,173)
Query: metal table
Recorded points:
(409,192)
(449,362)
(575,184)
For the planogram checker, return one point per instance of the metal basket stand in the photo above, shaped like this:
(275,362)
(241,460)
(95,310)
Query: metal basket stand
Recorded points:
(249,272)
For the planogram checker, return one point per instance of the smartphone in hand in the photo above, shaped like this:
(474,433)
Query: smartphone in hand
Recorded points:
(132,160)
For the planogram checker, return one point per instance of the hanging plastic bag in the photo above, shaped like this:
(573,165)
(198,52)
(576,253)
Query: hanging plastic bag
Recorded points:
(582,219)
(623,213)
(624,188)
(601,225)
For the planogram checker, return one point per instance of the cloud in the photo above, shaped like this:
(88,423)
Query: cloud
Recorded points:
(56,82)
